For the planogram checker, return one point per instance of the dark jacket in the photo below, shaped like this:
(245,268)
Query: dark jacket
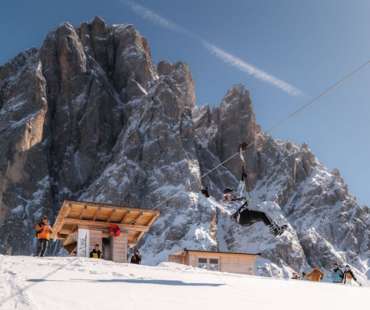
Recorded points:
(95,254)
(338,275)
(348,275)
(136,259)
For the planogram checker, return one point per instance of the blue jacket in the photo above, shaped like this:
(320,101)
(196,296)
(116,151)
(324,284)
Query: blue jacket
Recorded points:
(337,275)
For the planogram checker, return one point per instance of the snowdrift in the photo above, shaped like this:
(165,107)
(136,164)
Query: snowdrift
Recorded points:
(79,283)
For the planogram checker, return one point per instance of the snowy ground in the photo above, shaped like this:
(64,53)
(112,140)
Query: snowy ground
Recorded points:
(76,283)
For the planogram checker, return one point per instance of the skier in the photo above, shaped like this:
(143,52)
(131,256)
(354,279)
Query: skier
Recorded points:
(245,216)
(338,274)
(315,275)
(136,258)
(43,232)
(96,253)
(349,276)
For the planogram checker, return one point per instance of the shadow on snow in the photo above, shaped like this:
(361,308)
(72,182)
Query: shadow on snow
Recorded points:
(133,281)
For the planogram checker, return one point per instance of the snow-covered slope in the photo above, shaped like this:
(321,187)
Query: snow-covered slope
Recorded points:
(28,283)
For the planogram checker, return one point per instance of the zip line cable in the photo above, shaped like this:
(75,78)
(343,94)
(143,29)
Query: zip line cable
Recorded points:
(201,177)
(322,94)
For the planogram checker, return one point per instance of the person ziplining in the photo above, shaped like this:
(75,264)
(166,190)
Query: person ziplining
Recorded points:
(245,216)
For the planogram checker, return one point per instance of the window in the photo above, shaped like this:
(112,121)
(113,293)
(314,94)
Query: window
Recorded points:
(202,263)
(213,264)
(210,264)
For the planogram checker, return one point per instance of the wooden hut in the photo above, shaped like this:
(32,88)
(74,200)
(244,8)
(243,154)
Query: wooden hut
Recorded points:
(244,263)
(80,225)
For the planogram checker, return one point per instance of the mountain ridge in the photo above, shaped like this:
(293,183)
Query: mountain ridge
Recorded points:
(90,116)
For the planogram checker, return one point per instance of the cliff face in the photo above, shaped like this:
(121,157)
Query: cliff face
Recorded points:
(89,116)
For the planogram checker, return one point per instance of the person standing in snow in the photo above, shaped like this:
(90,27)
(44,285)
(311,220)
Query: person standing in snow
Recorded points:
(136,258)
(338,274)
(349,276)
(315,275)
(96,253)
(296,276)
(43,234)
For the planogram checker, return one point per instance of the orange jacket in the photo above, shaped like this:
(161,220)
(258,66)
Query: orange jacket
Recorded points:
(43,231)
(315,275)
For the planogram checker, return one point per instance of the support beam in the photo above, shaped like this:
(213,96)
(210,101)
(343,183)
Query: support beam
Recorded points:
(136,218)
(72,238)
(139,236)
(154,218)
(61,236)
(96,213)
(111,215)
(67,231)
(68,210)
(149,225)
(82,212)
(60,220)
(124,216)
(64,231)
(88,223)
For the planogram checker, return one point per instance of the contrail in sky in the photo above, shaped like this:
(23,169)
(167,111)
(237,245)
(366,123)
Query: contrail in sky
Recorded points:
(218,52)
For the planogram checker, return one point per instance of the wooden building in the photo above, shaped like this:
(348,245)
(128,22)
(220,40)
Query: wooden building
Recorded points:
(244,263)
(80,225)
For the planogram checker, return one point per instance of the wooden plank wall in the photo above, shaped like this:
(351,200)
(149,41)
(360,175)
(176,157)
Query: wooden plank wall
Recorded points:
(179,259)
(234,263)
(119,248)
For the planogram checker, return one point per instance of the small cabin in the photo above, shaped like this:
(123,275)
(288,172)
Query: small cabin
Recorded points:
(80,225)
(244,263)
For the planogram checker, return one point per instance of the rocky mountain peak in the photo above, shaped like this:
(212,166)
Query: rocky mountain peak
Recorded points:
(237,94)
(179,74)
(98,25)
(89,116)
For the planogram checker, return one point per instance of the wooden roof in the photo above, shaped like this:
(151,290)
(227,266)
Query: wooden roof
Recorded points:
(94,215)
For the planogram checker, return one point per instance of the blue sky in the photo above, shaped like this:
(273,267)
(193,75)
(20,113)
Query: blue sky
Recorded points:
(307,44)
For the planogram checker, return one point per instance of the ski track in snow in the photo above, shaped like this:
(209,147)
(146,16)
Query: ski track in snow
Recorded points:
(13,294)
(79,283)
